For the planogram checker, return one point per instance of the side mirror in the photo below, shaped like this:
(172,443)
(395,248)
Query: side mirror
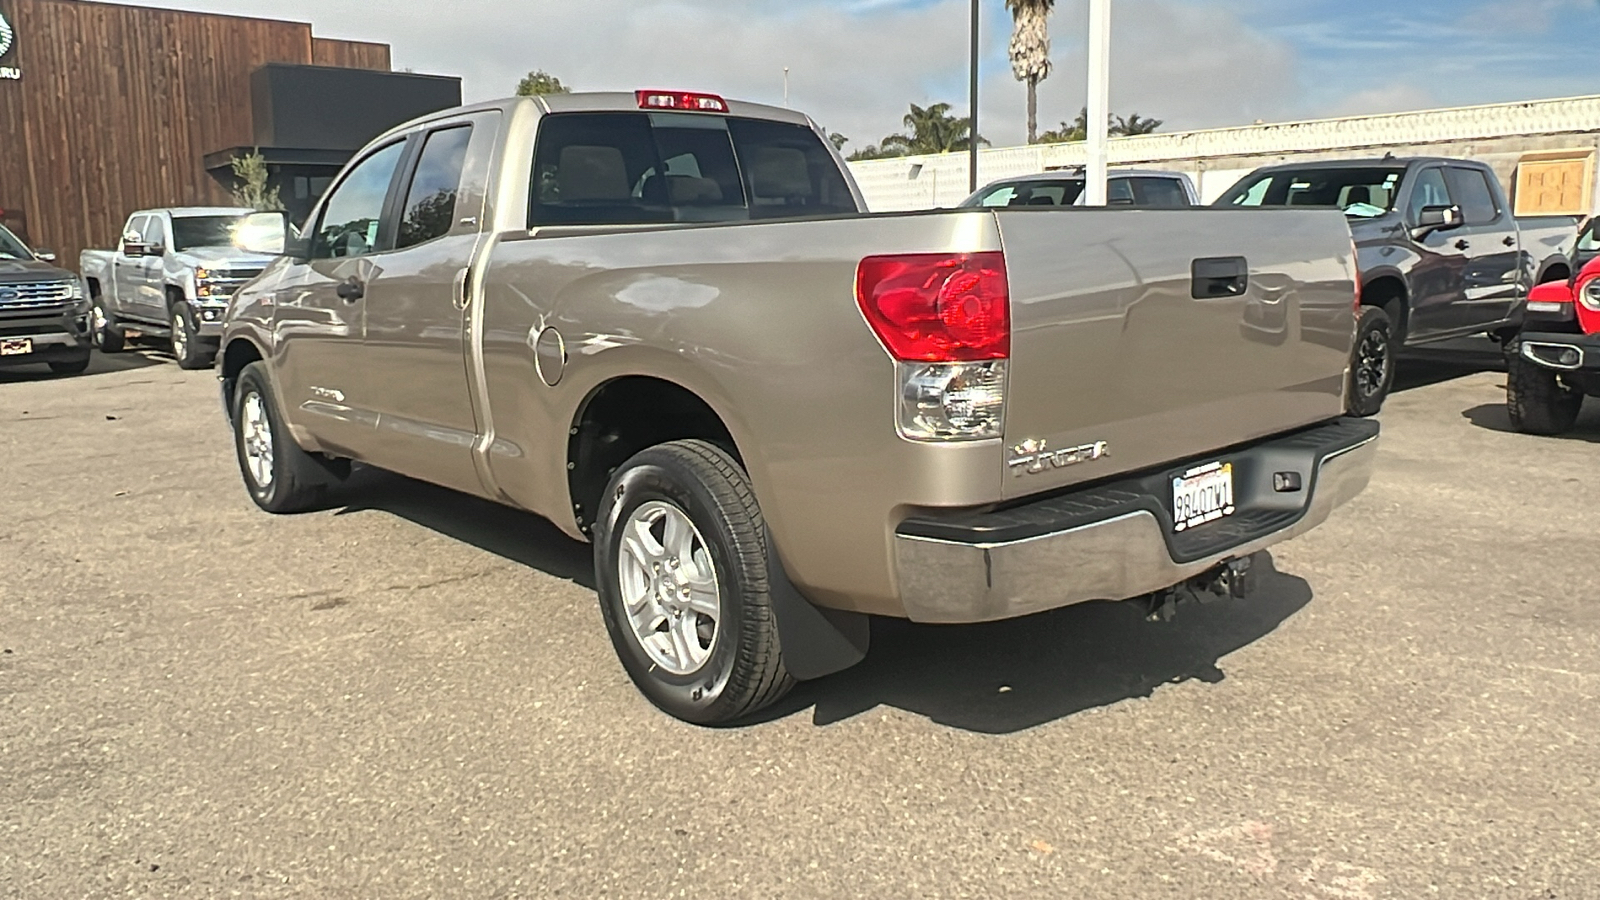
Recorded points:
(155,250)
(44,255)
(1435,218)
(1551,292)
(266,233)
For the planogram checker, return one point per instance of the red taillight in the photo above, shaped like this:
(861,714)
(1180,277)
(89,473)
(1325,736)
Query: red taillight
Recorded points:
(936,307)
(689,101)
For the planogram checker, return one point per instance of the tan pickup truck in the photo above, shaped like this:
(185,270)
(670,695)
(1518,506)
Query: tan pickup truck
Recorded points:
(665,322)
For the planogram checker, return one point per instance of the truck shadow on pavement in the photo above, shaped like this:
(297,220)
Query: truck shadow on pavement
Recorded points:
(1493,417)
(512,534)
(1003,677)
(99,364)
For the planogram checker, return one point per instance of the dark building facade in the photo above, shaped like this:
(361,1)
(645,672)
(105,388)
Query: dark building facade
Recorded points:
(106,108)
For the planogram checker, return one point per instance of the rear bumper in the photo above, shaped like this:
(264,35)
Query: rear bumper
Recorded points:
(1116,541)
(1561,352)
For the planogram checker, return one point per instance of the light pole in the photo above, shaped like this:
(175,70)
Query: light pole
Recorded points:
(785,87)
(1099,101)
(972,135)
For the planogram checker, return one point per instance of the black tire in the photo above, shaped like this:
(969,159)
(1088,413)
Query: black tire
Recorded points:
(1538,401)
(744,670)
(188,348)
(1372,362)
(297,481)
(70,366)
(108,336)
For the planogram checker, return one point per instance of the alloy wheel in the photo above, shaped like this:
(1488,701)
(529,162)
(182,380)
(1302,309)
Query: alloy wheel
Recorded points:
(1372,362)
(255,437)
(669,587)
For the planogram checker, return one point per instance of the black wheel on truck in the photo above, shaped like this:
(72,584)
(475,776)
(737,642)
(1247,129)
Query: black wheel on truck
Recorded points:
(70,366)
(1371,362)
(1538,400)
(281,477)
(104,330)
(681,566)
(187,347)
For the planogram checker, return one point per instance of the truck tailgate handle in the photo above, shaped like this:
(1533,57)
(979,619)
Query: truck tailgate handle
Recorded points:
(1219,276)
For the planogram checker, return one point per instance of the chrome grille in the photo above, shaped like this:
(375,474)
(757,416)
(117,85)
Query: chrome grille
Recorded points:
(35,295)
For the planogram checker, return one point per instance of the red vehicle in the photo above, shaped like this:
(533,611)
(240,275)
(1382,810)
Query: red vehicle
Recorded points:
(1557,361)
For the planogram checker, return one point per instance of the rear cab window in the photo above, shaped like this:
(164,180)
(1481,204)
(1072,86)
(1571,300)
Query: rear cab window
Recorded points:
(1362,192)
(639,168)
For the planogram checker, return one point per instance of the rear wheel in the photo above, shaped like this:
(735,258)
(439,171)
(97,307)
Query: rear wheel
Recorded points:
(104,330)
(1538,400)
(680,561)
(281,477)
(1371,362)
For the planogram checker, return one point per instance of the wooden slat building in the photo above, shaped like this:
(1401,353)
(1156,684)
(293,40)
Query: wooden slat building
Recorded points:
(106,108)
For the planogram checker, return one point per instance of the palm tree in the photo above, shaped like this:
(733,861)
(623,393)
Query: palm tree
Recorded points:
(1134,124)
(1030,51)
(932,130)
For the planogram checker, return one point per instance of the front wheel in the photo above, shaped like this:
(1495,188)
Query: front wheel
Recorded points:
(1538,400)
(1371,362)
(281,477)
(681,566)
(71,366)
(187,347)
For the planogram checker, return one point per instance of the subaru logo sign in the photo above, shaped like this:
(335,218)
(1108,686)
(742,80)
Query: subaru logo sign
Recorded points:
(6,35)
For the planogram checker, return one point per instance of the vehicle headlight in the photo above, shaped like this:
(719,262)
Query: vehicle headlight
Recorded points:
(952,401)
(1590,295)
(202,274)
(77,290)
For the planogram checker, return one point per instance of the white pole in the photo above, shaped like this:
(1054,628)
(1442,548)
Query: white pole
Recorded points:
(786,87)
(1099,100)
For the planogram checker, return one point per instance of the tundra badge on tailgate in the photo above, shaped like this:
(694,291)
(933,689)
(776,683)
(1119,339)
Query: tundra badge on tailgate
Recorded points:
(1032,456)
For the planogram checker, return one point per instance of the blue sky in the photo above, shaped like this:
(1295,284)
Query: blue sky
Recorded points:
(856,64)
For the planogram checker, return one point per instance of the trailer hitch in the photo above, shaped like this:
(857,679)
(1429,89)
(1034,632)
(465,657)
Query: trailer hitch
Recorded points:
(1230,578)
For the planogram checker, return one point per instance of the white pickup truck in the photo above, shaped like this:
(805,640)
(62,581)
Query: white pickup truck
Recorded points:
(171,276)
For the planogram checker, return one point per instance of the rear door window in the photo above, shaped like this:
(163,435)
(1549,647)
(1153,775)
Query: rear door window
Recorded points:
(135,230)
(643,168)
(1119,192)
(430,204)
(1164,192)
(1470,188)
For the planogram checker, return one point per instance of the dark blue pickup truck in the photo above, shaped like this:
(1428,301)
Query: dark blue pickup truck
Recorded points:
(1440,253)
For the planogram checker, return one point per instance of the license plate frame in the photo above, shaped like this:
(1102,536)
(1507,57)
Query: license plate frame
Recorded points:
(16,346)
(1202,495)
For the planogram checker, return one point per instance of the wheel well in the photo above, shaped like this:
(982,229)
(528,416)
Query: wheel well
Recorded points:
(1390,293)
(94,286)
(621,418)
(1556,272)
(240,353)
(174,296)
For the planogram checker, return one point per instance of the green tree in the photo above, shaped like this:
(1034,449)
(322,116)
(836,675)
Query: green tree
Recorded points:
(539,82)
(1133,124)
(873,151)
(252,190)
(1078,129)
(1030,51)
(931,130)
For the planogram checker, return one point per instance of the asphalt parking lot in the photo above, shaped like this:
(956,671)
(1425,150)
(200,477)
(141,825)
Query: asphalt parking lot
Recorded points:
(412,695)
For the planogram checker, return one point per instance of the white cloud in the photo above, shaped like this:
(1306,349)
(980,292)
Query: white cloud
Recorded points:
(854,64)
(1392,98)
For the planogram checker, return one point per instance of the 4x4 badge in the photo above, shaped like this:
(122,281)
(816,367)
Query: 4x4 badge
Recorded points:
(1032,456)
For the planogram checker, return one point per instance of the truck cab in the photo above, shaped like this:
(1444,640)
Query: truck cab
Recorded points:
(171,276)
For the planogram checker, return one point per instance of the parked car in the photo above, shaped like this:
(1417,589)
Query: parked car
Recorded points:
(774,414)
(171,276)
(1557,362)
(1441,255)
(44,316)
(1127,187)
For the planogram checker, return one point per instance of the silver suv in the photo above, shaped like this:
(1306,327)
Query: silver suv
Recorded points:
(1128,187)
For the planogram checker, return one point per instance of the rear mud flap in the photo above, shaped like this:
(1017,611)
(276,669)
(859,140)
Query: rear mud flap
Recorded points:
(816,642)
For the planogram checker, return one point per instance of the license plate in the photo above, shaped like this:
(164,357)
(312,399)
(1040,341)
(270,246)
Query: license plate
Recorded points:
(16,346)
(1202,494)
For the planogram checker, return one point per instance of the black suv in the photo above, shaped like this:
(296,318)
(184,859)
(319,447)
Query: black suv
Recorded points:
(44,317)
